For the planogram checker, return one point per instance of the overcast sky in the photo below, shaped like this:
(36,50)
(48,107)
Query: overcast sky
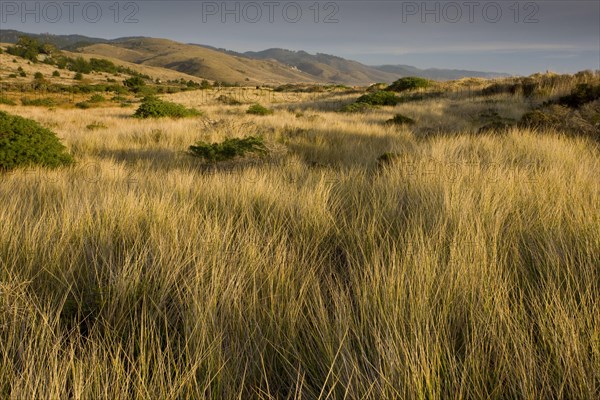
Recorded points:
(519,37)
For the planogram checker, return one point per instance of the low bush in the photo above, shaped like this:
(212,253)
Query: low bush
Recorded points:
(382,98)
(7,101)
(492,122)
(257,109)
(84,105)
(40,102)
(23,142)
(400,119)
(153,107)
(228,149)
(56,74)
(356,107)
(409,83)
(582,94)
(97,98)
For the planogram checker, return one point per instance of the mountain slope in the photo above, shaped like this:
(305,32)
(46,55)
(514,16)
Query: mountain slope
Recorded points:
(198,61)
(325,67)
(272,66)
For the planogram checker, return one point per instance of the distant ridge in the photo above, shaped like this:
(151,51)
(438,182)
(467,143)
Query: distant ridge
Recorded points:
(271,66)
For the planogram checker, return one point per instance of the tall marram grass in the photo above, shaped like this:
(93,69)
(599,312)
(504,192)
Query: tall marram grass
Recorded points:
(470,268)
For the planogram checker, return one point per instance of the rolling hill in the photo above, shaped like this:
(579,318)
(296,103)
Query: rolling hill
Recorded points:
(199,61)
(272,66)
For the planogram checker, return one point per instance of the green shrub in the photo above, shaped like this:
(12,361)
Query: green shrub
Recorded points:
(400,119)
(24,142)
(7,101)
(228,149)
(78,76)
(38,75)
(84,105)
(257,109)
(12,75)
(22,74)
(356,107)
(582,94)
(153,107)
(543,118)
(41,102)
(25,47)
(97,98)
(56,74)
(382,98)
(409,83)
(135,83)
(494,122)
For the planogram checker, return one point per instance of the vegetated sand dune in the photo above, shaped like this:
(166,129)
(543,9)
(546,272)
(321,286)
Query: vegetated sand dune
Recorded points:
(467,268)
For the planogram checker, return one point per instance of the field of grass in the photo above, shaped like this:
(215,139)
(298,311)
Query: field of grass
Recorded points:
(469,267)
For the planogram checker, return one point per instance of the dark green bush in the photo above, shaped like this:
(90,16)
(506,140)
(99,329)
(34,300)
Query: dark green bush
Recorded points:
(494,122)
(41,102)
(135,83)
(97,98)
(153,107)
(22,74)
(400,119)
(543,118)
(56,74)
(7,101)
(228,149)
(257,109)
(382,98)
(78,76)
(409,83)
(582,94)
(84,105)
(25,47)
(38,75)
(499,88)
(356,107)
(24,142)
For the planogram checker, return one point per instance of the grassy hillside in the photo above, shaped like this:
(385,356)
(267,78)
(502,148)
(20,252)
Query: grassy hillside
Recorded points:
(199,61)
(462,264)
(282,66)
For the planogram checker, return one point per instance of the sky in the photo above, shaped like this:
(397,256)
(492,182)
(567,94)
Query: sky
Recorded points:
(517,37)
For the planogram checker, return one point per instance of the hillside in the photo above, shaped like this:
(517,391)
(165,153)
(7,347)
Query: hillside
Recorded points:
(326,67)
(9,67)
(272,66)
(198,61)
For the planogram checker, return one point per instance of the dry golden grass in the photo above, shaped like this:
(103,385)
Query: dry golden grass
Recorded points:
(470,268)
